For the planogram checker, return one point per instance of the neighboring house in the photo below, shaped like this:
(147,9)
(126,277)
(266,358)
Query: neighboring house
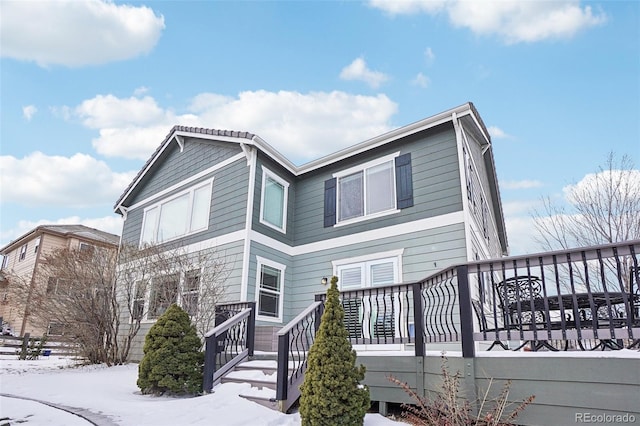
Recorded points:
(391,209)
(23,259)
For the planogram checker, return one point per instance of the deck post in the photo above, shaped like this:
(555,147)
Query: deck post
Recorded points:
(418,319)
(251,328)
(211,343)
(466,315)
(282,378)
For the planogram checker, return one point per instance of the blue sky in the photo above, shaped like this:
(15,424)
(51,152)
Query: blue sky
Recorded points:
(90,88)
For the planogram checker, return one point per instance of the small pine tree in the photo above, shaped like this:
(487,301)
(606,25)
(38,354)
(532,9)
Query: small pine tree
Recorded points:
(172,360)
(331,393)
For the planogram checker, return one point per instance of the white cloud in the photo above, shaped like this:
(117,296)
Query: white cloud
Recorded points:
(430,56)
(497,132)
(77,33)
(358,70)
(603,183)
(421,80)
(404,7)
(76,181)
(301,126)
(29,111)
(520,184)
(514,21)
(111,224)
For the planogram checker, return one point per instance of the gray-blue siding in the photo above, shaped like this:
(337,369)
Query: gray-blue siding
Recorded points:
(229,196)
(436,187)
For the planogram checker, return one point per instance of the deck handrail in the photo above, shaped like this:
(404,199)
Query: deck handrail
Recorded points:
(602,281)
(294,341)
(228,344)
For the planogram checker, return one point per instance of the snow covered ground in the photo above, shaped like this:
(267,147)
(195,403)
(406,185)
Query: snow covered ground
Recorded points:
(112,393)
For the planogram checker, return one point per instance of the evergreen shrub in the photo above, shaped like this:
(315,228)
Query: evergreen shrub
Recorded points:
(331,393)
(173,360)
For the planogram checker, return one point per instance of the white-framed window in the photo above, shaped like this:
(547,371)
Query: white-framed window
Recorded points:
(182,214)
(5,261)
(367,190)
(164,293)
(55,329)
(139,300)
(378,314)
(58,286)
(157,294)
(273,205)
(86,248)
(190,292)
(369,271)
(23,253)
(37,245)
(269,289)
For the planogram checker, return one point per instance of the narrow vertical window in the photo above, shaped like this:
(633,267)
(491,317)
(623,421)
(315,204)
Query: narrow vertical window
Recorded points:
(23,253)
(270,289)
(273,208)
(190,292)
(139,300)
(37,245)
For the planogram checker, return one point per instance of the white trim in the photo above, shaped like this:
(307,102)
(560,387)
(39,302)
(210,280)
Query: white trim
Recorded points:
(368,260)
(364,146)
(251,154)
(361,237)
(260,261)
(266,173)
(365,217)
(368,257)
(187,181)
(367,165)
(158,205)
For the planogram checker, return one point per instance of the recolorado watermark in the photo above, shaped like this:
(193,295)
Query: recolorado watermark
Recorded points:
(604,418)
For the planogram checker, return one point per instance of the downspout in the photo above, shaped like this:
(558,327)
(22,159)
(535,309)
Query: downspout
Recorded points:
(251,154)
(468,231)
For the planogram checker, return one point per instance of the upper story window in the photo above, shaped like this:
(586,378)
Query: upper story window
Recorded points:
(86,248)
(37,245)
(376,188)
(23,253)
(184,213)
(273,208)
(5,261)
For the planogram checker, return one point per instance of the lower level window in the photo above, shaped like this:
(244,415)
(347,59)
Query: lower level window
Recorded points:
(269,289)
(55,329)
(164,292)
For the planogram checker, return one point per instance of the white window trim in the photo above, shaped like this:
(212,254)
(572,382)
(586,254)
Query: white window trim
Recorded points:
(149,288)
(395,255)
(361,168)
(190,190)
(262,261)
(268,173)
(23,253)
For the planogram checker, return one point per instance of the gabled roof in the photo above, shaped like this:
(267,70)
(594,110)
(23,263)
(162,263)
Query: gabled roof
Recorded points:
(177,133)
(78,231)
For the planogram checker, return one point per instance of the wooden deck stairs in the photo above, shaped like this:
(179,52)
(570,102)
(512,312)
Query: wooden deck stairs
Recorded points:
(261,375)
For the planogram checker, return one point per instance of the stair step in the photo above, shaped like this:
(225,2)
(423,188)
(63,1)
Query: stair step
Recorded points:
(264,401)
(267,367)
(256,377)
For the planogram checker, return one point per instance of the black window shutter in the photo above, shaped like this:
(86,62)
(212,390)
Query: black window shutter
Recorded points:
(404,181)
(330,202)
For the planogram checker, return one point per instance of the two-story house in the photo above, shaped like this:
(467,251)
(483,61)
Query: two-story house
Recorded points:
(394,208)
(23,260)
